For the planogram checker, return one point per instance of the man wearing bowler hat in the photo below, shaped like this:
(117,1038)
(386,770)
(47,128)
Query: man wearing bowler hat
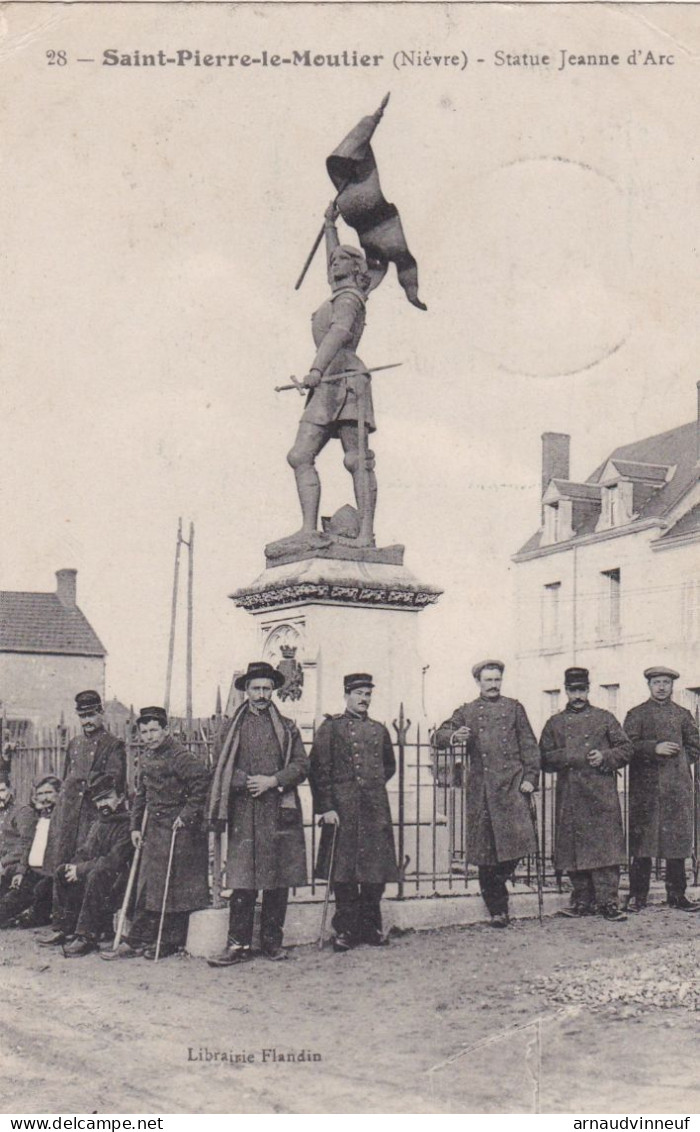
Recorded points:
(87,891)
(503,768)
(666,742)
(88,756)
(585,747)
(173,785)
(352,759)
(261,762)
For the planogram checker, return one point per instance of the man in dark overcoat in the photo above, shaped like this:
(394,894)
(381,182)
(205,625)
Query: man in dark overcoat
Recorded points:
(503,769)
(87,890)
(262,761)
(173,786)
(352,759)
(89,756)
(666,742)
(585,747)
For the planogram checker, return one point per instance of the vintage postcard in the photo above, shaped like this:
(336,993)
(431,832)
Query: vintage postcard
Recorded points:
(467,235)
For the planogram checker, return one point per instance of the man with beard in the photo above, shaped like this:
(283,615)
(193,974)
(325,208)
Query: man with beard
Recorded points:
(88,757)
(585,747)
(86,892)
(503,769)
(352,759)
(27,902)
(262,762)
(666,743)
(173,785)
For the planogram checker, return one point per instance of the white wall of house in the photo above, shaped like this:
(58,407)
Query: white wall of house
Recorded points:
(39,686)
(571,609)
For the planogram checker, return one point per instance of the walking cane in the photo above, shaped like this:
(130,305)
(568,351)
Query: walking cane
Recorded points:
(165,893)
(129,885)
(539,863)
(328,889)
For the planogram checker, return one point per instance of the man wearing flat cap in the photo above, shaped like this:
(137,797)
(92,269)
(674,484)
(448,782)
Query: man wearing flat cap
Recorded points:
(87,891)
(261,762)
(585,747)
(88,757)
(352,759)
(173,786)
(666,742)
(503,769)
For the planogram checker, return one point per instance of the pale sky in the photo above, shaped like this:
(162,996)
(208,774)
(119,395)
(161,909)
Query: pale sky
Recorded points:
(154,222)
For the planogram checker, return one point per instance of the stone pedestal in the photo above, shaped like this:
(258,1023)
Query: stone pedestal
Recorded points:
(331,616)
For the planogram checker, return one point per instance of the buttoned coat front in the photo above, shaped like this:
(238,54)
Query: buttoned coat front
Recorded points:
(661,787)
(87,758)
(352,759)
(588,819)
(172,783)
(502,754)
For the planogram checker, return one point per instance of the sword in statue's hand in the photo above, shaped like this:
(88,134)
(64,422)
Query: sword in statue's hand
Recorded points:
(331,377)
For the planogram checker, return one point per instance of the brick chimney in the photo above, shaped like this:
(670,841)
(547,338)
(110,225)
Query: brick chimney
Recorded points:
(66,588)
(555,457)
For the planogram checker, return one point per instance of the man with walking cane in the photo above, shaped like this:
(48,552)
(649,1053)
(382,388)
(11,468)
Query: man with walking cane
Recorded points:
(261,762)
(352,759)
(172,880)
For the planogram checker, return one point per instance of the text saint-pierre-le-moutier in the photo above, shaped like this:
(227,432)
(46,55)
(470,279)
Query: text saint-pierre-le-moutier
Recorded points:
(560,59)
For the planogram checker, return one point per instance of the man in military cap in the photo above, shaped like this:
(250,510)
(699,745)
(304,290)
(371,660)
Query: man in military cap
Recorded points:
(173,785)
(87,891)
(261,762)
(585,746)
(352,759)
(666,742)
(89,756)
(503,769)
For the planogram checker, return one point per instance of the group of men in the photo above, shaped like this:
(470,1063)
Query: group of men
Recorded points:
(70,857)
(585,747)
(67,857)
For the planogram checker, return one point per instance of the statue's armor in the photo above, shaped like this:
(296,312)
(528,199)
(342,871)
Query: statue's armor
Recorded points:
(336,401)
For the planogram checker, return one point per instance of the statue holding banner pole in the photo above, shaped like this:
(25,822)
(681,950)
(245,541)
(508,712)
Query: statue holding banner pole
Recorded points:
(338,384)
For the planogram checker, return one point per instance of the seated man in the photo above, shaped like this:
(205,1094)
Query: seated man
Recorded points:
(27,903)
(10,840)
(87,890)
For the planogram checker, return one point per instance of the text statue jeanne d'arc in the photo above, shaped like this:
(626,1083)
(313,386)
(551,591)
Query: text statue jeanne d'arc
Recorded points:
(338,386)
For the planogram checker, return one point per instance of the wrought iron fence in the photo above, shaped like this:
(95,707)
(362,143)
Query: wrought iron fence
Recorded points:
(427,795)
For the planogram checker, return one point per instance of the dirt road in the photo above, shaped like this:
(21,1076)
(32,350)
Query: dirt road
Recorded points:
(559,1018)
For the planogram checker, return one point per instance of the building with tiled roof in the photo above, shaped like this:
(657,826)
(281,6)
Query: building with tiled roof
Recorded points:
(48,652)
(611,578)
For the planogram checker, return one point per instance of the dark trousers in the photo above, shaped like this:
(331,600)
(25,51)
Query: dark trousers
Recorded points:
(640,876)
(595,888)
(492,882)
(358,911)
(86,906)
(242,916)
(34,893)
(144,929)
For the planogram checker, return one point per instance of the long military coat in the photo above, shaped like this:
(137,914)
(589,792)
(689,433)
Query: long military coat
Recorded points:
(172,783)
(588,830)
(661,788)
(352,759)
(266,846)
(87,757)
(503,753)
